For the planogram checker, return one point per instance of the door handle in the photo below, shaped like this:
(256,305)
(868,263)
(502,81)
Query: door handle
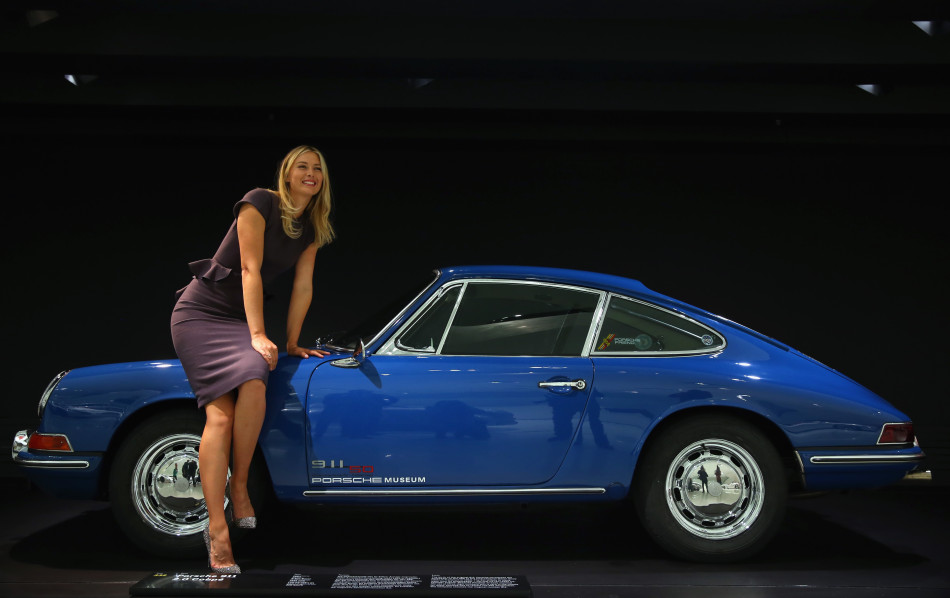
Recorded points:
(579,384)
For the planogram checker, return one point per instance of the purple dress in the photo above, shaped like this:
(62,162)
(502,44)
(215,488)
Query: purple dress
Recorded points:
(209,326)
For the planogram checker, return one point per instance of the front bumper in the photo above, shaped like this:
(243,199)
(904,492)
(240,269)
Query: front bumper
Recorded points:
(64,475)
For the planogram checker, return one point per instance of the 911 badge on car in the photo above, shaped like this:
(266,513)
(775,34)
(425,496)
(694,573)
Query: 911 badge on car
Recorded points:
(497,384)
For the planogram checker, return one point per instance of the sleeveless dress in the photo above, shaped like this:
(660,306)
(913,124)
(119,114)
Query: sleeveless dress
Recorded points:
(208,324)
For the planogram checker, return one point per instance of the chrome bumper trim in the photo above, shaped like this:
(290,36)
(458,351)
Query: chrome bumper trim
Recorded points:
(51,464)
(20,442)
(860,459)
(460,492)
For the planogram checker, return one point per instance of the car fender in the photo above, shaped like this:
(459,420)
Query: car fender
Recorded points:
(91,403)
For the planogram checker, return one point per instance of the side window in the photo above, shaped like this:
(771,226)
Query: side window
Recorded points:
(634,327)
(496,318)
(425,333)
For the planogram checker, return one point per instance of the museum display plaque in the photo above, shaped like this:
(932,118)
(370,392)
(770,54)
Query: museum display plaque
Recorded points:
(339,584)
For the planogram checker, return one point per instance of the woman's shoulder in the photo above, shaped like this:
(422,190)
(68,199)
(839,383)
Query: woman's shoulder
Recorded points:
(262,193)
(262,199)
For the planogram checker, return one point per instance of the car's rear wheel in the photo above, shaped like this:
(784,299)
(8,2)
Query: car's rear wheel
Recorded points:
(711,489)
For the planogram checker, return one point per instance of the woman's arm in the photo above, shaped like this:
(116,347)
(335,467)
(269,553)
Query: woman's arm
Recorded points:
(250,229)
(300,298)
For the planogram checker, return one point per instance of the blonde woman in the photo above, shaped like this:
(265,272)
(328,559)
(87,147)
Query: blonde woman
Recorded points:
(218,329)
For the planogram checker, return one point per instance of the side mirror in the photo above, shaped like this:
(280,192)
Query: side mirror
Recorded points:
(354,360)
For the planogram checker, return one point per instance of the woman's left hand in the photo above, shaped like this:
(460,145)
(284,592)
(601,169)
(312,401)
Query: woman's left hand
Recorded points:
(305,353)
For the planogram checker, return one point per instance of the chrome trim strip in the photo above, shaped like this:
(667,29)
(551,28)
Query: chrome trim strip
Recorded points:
(801,469)
(448,323)
(595,324)
(52,464)
(446,492)
(44,398)
(858,459)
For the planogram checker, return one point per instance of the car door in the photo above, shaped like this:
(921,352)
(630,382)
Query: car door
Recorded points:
(486,386)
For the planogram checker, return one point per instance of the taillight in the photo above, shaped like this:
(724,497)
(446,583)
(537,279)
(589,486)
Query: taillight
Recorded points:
(897,433)
(49,442)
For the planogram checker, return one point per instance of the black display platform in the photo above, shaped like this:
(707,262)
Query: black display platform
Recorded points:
(305,584)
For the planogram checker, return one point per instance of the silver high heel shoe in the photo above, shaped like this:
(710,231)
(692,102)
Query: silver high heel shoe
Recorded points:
(241,522)
(229,569)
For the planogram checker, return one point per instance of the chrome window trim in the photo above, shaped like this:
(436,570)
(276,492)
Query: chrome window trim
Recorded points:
(717,349)
(448,324)
(595,324)
(454,492)
(402,312)
(391,347)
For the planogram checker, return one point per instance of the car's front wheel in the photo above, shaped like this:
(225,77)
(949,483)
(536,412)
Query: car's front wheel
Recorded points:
(154,484)
(711,489)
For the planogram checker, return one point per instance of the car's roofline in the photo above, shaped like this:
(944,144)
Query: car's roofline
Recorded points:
(609,282)
(580,277)
(606,282)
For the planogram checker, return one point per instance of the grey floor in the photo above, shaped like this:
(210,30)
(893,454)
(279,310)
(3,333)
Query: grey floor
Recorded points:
(875,543)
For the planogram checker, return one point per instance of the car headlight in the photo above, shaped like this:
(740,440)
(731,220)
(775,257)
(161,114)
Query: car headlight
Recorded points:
(49,390)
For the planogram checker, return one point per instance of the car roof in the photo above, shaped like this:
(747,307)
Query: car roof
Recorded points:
(563,275)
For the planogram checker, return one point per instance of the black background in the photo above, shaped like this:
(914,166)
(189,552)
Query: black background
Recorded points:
(727,159)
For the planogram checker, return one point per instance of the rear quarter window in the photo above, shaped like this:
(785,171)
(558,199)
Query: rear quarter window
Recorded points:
(635,328)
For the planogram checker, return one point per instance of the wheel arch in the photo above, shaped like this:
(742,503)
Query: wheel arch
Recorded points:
(772,431)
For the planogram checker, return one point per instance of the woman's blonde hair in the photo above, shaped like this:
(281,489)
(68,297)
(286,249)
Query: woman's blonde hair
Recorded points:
(319,206)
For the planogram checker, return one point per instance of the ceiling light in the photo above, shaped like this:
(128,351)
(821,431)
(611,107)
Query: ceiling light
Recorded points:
(873,88)
(78,80)
(37,17)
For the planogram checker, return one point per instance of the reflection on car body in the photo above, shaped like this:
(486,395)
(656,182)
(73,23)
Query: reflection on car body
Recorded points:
(490,385)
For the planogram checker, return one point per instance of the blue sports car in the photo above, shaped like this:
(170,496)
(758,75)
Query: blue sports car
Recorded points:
(496,385)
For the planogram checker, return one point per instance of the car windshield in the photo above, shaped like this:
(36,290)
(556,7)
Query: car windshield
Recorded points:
(366,330)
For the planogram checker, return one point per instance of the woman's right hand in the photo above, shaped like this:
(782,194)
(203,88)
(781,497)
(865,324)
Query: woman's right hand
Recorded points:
(266,348)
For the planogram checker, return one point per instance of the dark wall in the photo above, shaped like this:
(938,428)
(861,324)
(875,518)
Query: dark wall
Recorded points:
(835,248)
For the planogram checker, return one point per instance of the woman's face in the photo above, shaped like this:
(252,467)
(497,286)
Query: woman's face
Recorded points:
(305,177)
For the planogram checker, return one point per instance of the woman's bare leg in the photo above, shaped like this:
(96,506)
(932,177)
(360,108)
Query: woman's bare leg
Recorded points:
(213,458)
(248,418)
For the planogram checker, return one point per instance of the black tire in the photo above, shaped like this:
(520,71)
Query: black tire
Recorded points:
(160,513)
(721,521)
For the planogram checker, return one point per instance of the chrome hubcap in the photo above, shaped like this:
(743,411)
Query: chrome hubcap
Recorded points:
(166,489)
(715,489)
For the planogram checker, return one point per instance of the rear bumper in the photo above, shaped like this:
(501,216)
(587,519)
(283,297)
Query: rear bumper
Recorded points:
(828,469)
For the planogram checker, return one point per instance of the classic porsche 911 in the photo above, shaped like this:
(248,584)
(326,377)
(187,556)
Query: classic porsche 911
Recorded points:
(493,385)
